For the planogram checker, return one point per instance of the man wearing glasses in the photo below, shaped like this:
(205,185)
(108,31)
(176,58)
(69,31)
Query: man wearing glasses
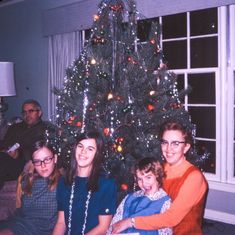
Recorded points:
(16,145)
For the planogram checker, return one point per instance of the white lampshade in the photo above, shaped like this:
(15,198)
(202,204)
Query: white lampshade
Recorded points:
(7,83)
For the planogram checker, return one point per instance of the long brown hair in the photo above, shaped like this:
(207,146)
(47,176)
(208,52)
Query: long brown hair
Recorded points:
(97,162)
(29,176)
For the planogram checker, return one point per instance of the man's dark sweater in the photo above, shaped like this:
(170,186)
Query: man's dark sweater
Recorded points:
(26,136)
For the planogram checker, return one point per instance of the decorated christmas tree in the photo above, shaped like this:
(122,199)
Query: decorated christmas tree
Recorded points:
(121,87)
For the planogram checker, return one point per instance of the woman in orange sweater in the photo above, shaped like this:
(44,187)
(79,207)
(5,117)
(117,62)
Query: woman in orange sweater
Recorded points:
(184,183)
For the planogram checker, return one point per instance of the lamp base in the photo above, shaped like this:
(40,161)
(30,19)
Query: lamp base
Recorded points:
(3,108)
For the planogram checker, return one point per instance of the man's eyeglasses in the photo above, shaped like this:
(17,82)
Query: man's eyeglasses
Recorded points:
(24,112)
(173,144)
(47,160)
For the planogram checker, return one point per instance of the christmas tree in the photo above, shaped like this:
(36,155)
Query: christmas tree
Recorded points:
(120,87)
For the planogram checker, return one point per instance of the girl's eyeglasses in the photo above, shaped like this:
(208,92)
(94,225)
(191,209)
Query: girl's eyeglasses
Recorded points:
(47,160)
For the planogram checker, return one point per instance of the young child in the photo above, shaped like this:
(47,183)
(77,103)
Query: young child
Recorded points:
(150,199)
(37,210)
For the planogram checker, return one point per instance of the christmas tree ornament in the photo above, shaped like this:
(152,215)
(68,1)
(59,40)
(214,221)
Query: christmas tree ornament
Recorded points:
(93,61)
(124,187)
(110,96)
(106,131)
(96,17)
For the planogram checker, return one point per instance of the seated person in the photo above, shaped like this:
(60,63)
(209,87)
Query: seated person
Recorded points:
(150,199)
(86,197)
(184,182)
(24,134)
(37,212)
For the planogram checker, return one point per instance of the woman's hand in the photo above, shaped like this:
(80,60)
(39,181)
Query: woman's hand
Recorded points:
(121,225)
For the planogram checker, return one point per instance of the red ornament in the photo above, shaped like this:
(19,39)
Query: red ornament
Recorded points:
(116,7)
(71,119)
(175,106)
(106,131)
(124,187)
(150,107)
(152,41)
(120,139)
(79,124)
(130,59)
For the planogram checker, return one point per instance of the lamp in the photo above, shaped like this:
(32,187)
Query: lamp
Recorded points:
(7,85)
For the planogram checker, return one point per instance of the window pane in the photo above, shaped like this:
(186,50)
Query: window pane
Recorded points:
(87,34)
(180,81)
(175,54)
(174,26)
(144,28)
(180,85)
(209,147)
(203,22)
(204,52)
(203,88)
(204,118)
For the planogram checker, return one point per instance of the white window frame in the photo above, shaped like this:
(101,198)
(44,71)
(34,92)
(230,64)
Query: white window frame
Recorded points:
(231,97)
(223,179)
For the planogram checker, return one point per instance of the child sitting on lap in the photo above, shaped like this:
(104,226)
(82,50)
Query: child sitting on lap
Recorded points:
(150,199)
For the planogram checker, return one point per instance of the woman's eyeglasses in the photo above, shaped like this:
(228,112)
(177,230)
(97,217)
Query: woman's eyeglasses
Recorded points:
(47,160)
(173,144)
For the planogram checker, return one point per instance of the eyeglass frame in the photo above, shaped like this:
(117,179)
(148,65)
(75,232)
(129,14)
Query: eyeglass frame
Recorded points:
(24,112)
(173,144)
(49,159)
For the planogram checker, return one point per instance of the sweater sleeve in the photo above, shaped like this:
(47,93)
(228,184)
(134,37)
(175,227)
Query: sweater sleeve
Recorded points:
(182,204)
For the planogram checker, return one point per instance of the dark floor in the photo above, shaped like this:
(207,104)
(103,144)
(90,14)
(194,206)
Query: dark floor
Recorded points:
(211,227)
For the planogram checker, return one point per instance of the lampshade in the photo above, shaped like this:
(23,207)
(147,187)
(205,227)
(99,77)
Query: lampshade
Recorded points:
(7,83)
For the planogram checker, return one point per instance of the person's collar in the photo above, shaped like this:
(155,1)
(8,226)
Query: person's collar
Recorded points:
(29,126)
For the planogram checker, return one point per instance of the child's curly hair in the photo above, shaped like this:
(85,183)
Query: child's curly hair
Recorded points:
(151,164)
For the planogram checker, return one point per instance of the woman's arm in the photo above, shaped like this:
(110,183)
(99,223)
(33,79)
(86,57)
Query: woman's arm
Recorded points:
(102,227)
(19,192)
(60,226)
(180,207)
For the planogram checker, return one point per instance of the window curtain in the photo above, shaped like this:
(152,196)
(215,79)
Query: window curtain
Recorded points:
(63,49)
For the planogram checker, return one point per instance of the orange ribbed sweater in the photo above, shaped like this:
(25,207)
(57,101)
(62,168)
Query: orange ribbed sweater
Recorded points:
(188,193)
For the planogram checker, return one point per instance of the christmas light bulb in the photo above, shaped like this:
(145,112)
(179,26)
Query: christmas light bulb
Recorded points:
(119,148)
(93,61)
(96,17)
(110,96)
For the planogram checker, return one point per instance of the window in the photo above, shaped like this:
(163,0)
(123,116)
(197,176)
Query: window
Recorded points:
(195,48)
(190,45)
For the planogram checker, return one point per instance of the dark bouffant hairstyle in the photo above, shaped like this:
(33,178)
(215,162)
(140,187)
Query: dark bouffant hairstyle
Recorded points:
(167,126)
(97,162)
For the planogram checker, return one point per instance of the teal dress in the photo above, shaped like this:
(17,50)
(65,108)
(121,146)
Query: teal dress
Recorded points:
(102,202)
(37,214)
